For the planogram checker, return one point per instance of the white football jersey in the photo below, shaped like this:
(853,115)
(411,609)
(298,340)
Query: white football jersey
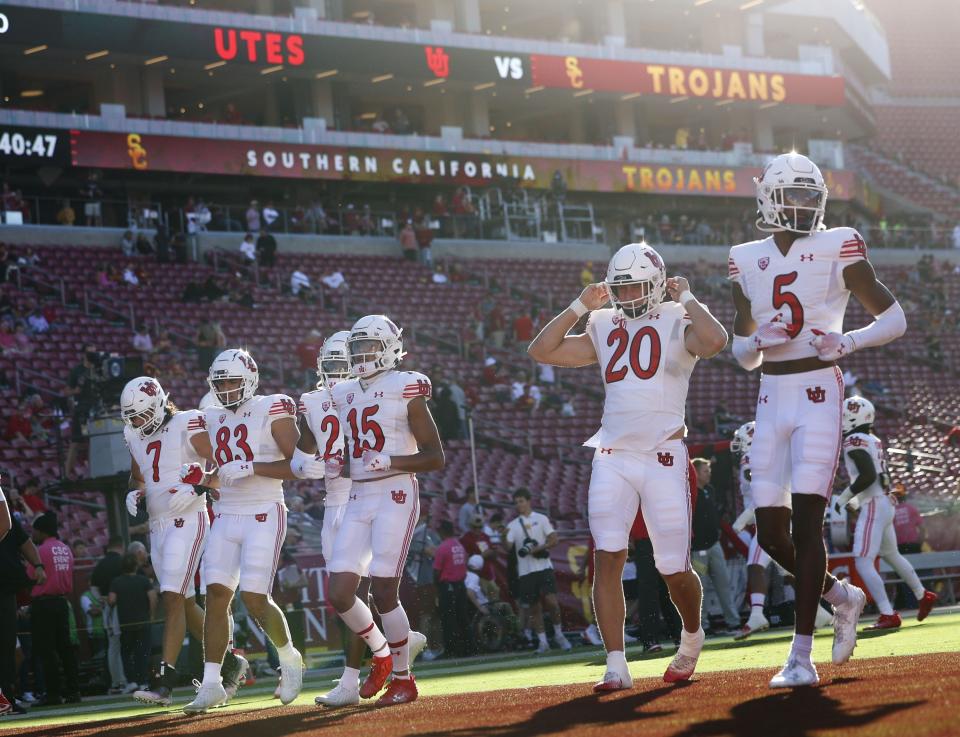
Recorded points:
(245,434)
(874,447)
(160,457)
(321,415)
(645,367)
(805,287)
(373,414)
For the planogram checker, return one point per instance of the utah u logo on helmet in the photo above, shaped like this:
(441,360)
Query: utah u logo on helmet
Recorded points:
(149,388)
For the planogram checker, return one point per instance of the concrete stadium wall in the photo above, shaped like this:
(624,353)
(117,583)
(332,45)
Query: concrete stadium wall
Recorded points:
(442,248)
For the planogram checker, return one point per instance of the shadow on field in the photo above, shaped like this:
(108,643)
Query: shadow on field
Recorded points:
(797,713)
(585,712)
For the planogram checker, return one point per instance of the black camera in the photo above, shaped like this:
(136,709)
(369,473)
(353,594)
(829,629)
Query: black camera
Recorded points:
(524,550)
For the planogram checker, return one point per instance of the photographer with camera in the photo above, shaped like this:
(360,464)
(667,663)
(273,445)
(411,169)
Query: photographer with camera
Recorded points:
(530,536)
(82,385)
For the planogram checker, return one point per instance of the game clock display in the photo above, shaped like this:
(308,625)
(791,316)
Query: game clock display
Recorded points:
(20,144)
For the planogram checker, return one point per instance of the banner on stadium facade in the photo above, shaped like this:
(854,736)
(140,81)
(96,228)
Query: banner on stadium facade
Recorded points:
(606,75)
(143,152)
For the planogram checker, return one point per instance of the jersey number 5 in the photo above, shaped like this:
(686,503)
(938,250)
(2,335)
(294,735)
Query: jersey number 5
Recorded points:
(621,337)
(223,453)
(788,299)
(367,425)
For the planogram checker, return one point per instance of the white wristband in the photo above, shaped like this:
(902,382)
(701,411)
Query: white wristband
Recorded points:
(578,307)
(685,296)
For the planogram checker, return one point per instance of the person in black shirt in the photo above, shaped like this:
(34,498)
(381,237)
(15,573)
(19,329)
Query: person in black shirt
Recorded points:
(15,545)
(708,556)
(109,567)
(267,249)
(135,600)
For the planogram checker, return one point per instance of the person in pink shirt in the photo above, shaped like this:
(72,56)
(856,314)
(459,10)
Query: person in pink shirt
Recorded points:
(449,572)
(50,613)
(908,525)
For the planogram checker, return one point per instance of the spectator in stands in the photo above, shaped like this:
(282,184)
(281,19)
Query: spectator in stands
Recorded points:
(908,524)
(50,614)
(79,548)
(586,275)
(248,249)
(307,352)
(253,217)
(477,542)
(32,496)
(449,571)
(709,559)
(300,284)
(524,393)
(142,342)
(130,277)
(952,438)
(19,425)
(128,244)
(459,398)
(135,600)
(161,243)
(106,570)
(267,249)
(335,282)
(269,216)
(496,326)
(210,341)
(724,423)
(92,606)
(408,241)
(529,538)
(37,321)
(15,547)
(523,330)
(91,194)
(424,234)
(66,215)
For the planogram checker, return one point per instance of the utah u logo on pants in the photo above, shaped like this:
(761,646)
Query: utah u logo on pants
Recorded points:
(178,523)
(399,496)
(262,517)
(816,395)
(665,459)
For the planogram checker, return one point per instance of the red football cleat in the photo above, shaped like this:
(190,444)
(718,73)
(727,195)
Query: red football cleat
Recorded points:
(927,602)
(400,691)
(380,670)
(886,622)
(612,682)
(5,706)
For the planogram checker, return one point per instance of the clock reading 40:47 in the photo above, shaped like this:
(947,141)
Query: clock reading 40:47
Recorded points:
(27,143)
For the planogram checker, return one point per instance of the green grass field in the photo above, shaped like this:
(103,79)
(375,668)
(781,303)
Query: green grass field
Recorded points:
(939,633)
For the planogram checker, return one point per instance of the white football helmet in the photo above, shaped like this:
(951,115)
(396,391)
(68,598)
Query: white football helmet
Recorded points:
(234,363)
(637,263)
(143,397)
(377,328)
(333,362)
(857,411)
(743,438)
(791,195)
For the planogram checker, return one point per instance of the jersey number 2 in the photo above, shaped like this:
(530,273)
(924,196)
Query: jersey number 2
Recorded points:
(366,425)
(788,299)
(332,424)
(621,337)
(223,453)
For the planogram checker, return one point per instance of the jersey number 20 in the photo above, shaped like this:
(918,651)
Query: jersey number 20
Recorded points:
(621,337)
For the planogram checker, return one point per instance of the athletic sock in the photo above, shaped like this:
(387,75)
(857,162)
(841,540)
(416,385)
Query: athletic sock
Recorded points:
(542,637)
(557,631)
(396,626)
(360,620)
(758,600)
(616,661)
(286,652)
(350,678)
(211,673)
(691,642)
(802,647)
(837,594)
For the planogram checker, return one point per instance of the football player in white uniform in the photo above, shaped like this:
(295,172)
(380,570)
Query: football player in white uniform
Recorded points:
(253,438)
(791,290)
(162,440)
(390,436)
(646,348)
(869,491)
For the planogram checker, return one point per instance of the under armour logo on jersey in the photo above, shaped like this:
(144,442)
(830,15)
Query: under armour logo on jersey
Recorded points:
(816,395)
(399,496)
(665,459)
(350,398)
(608,451)
(247,414)
(178,522)
(149,388)
(806,257)
(762,399)
(655,316)
(262,517)
(763,263)
(378,395)
(353,497)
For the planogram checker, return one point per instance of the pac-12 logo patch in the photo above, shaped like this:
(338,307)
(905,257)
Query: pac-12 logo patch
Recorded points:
(399,496)
(763,263)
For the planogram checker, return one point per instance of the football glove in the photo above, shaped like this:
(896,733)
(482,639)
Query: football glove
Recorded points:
(831,346)
(306,466)
(191,473)
(773,333)
(374,461)
(133,499)
(234,471)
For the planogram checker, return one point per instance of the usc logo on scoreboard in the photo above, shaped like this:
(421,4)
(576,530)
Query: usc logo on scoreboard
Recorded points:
(136,151)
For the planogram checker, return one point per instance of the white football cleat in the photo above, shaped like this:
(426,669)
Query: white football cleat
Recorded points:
(756,623)
(824,618)
(592,635)
(159,696)
(339,696)
(209,696)
(796,673)
(846,616)
(291,684)
(613,681)
(233,680)
(416,642)
(542,648)
(682,666)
